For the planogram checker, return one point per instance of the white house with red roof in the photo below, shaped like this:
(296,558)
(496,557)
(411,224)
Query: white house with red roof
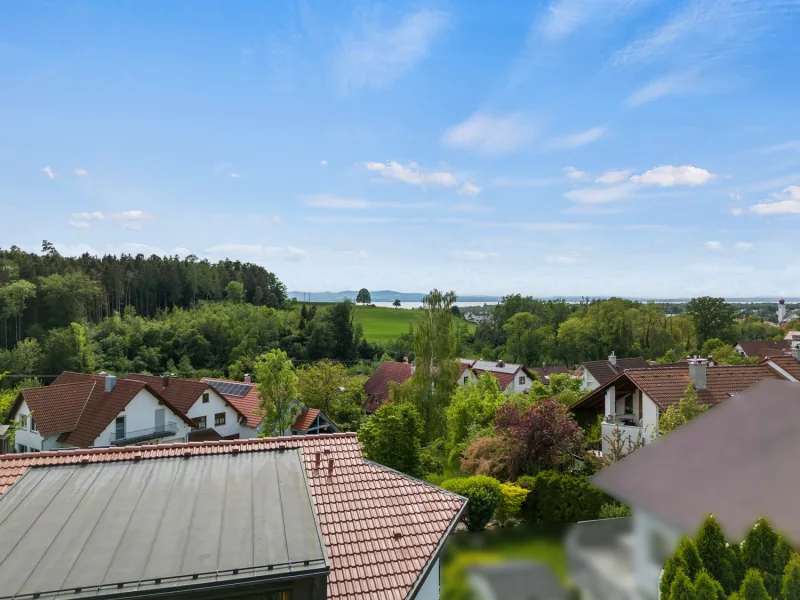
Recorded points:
(512,378)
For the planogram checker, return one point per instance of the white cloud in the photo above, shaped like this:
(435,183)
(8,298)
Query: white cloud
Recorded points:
(471,255)
(743,245)
(222,167)
(235,175)
(257,251)
(378,56)
(132,215)
(323,162)
(789,146)
(560,259)
(491,135)
(668,176)
(735,196)
(669,85)
(553,226)
(713,245)
(180,251)
(613,177)
(736,212)
(786,202)
(600,195)
(410,173)
(576,140)
(575,174)
(563,17)
(79,224)
(81,172)
(351,220)
(49,172)
(96,215)
(469,189)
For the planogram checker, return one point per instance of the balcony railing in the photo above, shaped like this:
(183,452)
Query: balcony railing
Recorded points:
(141,435)
(629,436)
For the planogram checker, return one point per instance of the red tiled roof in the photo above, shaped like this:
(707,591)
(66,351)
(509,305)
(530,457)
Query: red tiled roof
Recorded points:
(305,419)
(204,435)
(90,413)
(246,405)
(786,362)
(56,408)
(548,370)
(764,347)
(182,393)
(603,371)
(381,529)
(376,388)
(503,379)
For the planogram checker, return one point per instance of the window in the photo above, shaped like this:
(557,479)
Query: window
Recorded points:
(205,398)
(35,450)
(200,422)
(33,424)
(629,405)
(23,448)
(219,419)
(119,428)
(522,379)
(466,378)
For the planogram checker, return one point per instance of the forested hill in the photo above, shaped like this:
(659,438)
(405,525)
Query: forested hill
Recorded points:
(48,290)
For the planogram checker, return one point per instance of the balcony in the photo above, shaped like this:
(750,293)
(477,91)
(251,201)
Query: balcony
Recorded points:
(123,438)
(628,437)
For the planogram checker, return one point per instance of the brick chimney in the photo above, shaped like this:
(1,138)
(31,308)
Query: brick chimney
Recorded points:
(698,373)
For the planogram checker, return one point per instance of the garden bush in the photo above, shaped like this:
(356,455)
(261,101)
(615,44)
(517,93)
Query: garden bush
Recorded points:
(557,498)
(484,494)
(510,502)
(614,510)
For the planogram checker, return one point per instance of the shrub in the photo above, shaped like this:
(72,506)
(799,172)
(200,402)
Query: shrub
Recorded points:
(753,587)
(711,547)
(510,502)
(675,564)
(557,498)
(791,580)
(614,510)
(708,588)
(688,551)
(434,479)
(681,588)
(484,494)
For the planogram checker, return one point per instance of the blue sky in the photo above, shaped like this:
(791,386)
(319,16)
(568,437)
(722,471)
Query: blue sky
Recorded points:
(579,147)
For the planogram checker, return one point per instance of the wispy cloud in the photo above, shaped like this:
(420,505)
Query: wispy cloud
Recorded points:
(743,245)
(49,172)
(84,216)
(350,220)
(560,259)
(81,172)
(668,175)
(469,189)
(785,202)
(410,173)
(599,195)
(613,177)
(576,175)
(491,135)
(576,140)
(668,85)
(712,245)
(257,252)
(354,254)
(736,212)
(133,215)
(471,255)
(782,147)
(235,175)
(563,17)
(323,162)
(376,56)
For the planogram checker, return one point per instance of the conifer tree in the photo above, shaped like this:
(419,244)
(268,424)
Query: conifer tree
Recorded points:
(753,587)
(708,588)
(681,588)
(712,548)
(675,564)
(791,580)
(688,550)
(758,550)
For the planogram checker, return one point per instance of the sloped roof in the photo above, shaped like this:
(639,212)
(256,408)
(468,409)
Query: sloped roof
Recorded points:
(92,412)
(666,385)
(382,530)
(376,388)
(182,393)
(544,373)
(732,461)
(786,362)
(246,405)
(764,347)
(504,373)
(603,371)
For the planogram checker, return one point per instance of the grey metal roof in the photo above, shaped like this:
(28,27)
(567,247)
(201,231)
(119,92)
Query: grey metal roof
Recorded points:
(82,530)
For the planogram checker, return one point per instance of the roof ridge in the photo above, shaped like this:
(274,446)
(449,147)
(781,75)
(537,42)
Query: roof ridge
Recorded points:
(60,385)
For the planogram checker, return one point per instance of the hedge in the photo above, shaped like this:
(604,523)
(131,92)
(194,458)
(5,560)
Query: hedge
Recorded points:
(557,498)
(484,494)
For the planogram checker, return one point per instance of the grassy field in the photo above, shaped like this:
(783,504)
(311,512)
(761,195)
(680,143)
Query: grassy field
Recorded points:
(382,324)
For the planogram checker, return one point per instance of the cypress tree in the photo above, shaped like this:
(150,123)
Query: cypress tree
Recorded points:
(791,580)
(688,550)
(681,588)
(758,550)
(712,548)
(708,588)
(675,564)
(735,558)
(782,555)
(753,587)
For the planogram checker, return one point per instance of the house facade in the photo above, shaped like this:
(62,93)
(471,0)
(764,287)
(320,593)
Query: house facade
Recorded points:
(511,377)
(595,373)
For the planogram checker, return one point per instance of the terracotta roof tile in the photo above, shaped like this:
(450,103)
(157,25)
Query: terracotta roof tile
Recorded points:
(786,362)
(548,370)
(376,388)
(181,393)
(360,506)
(764,347)
(305,419)
(603,371)
(247,405)
(56,408)
(503,379)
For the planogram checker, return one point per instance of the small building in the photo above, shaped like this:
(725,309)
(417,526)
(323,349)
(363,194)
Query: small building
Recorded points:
(544,372)
(274,518)
(599,372)
(376,387)
(673,484)
(511,377)
(478,316)
(759,348)
(312,421)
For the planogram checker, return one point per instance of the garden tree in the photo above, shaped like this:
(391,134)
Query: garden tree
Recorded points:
(708,588)
(344,334)
(712,317)
(675,564)
(783,554)
(711,546)
(363,296)
(277,392)
(620,445)
(563,388)
(528,340)
(540,436)
(790,587)
(67,349)
(23,359)
(725,354)
(434,378)
(753,587)
(8,395)
(234,292)
(759,552)
(321,383)
(681,588)
(472,406)
(392,437)
(676,415)
(486,455)
(694,564)
(396,303)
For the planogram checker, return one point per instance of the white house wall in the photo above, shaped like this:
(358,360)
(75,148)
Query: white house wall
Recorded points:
(654,541)
(210,409)
(589,382)
(140,413)
(650,416)
(430,589)
(30,439)
(516,386)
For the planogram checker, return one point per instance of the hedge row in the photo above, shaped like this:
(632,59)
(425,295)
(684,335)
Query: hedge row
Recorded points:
(557,498)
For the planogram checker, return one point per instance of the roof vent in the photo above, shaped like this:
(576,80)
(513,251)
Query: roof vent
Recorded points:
(397,535)
(501,364)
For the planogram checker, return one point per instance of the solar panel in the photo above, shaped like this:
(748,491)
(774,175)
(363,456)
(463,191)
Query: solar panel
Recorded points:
(230,388)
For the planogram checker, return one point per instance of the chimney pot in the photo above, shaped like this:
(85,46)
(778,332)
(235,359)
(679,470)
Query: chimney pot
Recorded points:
(698,373)
(247,378)
(501,364)
(405,360)
(330,467)
(111,382)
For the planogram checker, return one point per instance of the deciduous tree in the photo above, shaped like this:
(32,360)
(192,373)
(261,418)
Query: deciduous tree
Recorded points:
(712,317)
(277,390)
(676,415)
(392,437)
(363,296)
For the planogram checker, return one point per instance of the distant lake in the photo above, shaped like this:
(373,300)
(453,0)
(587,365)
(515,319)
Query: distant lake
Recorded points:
(419,304)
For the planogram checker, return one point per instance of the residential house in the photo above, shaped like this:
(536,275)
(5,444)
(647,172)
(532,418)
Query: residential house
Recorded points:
(376,387)
(787,364)
(278,518)
(544,372)
(731,462)
(243,396)
(633,401)
(759,348)
(511,377)
(80,411)
(793,336)
(599,372)
(477,316)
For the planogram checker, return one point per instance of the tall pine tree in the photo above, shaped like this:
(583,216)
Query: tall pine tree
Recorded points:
(712,548)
